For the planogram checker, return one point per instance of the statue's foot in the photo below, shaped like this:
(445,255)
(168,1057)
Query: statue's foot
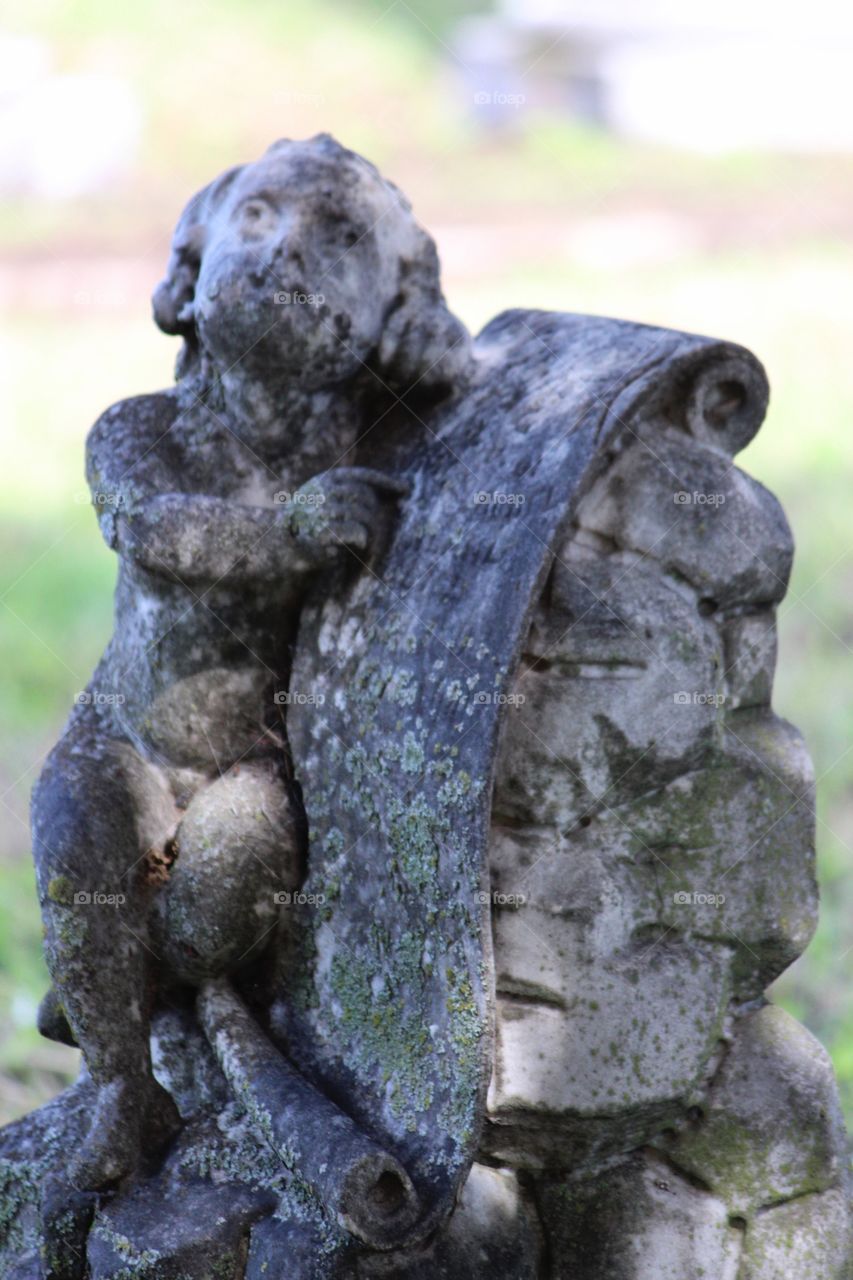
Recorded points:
(132,1119)
(51,1020)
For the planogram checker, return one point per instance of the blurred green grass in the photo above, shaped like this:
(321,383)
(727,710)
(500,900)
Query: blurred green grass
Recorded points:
(547,215)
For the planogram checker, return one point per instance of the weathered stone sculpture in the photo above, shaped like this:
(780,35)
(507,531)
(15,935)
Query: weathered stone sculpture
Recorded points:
(414,868)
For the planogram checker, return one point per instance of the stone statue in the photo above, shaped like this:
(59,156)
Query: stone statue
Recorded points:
(415,863)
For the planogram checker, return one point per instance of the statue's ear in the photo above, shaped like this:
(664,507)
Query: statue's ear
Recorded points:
(173,298)
(423,346)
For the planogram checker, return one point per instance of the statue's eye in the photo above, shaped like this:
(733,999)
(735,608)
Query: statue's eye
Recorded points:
(256,215)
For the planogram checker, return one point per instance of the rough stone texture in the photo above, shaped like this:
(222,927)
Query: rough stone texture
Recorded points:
(414,867)
(410,689)
(771,1129)
(808,1237)
(494,1230)
(637,1221)
(658,865)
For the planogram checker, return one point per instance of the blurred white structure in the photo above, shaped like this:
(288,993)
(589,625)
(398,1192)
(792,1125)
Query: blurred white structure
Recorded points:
(61,135)
(729,75)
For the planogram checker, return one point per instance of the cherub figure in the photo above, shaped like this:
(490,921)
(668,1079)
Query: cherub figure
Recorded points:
(165,821)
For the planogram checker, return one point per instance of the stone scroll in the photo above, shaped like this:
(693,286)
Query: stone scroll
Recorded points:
(401,682)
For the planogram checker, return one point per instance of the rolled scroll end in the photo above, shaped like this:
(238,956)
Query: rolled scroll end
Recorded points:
(359,1182)
(726,402)
(378,1202)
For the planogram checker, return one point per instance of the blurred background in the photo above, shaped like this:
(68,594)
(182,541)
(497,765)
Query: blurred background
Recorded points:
(690,167)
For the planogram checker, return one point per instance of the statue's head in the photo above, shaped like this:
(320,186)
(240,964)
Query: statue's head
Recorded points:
(307,266)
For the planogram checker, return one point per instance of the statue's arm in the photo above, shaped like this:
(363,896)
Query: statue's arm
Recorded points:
(133,470)
(134,476)
(195,538)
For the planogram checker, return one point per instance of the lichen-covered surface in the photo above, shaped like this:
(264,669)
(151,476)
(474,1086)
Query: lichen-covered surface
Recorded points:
(430,782)
(411,668)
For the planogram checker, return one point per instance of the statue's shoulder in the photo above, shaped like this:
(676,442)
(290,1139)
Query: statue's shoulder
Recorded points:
(128,454)
(129,427)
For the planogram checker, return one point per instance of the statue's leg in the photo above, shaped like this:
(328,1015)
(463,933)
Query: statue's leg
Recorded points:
(96,809)
(238,862)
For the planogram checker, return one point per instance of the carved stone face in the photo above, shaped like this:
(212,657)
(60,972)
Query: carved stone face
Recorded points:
(297,269)
(652,838)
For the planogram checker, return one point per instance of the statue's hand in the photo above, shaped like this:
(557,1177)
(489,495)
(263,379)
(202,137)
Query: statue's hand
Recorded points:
(339,509)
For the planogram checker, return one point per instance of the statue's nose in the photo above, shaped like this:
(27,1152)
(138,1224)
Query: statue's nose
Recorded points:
(290,254)
(281,263)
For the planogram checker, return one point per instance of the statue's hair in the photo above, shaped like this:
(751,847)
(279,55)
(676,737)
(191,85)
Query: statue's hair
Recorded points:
(422,343)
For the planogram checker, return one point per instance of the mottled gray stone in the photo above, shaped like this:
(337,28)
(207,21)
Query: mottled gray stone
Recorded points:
(413,670)
(209,913)
(750,656)
(771,1127)
(809,1237)
(639,1220)
(731,848)
(494,1231)
(598,719)
(415,861)
(699,516)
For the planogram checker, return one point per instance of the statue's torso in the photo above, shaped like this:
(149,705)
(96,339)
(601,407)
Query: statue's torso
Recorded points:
(193,667)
